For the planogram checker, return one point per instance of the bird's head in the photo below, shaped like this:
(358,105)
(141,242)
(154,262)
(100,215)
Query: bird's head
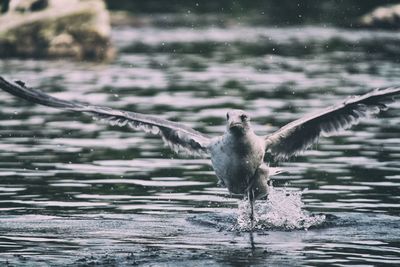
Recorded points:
(238,121)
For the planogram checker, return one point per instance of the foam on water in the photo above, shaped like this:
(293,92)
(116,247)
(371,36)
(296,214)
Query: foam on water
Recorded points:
(282,210)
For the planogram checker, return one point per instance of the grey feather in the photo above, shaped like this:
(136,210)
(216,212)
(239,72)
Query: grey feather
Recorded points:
(298,135)
(179,137)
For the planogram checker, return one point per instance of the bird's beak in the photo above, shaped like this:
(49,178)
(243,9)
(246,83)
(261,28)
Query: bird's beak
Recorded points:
(235,124)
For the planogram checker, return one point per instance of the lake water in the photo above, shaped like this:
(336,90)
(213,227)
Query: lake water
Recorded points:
(75,191)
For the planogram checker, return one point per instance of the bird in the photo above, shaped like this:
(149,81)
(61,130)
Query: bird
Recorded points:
(237,156)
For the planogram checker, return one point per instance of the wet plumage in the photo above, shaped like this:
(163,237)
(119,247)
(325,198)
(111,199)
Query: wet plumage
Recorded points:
(237,156)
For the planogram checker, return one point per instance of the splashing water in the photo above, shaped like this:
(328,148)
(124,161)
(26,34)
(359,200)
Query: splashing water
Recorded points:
(282,210)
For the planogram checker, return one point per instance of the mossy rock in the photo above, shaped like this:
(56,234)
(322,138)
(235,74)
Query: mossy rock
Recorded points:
(382,18)
(80,31)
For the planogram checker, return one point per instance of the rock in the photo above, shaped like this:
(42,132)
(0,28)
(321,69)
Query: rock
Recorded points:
(382,17)
(78,29)
(23,6)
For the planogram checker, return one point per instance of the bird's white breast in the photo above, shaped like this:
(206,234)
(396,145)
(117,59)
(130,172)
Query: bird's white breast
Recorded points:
(235,159)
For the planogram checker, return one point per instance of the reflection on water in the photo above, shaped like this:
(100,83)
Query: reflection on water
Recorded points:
(74,191)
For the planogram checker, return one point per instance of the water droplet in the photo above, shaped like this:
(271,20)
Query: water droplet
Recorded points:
(282,210)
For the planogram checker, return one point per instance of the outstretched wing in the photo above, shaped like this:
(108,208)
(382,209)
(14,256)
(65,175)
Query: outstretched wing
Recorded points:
(298,135)
(179,137)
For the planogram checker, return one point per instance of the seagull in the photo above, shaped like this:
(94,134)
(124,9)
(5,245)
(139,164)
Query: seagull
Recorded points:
(237,156)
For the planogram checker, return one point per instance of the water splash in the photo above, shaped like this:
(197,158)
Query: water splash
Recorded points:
(282,210)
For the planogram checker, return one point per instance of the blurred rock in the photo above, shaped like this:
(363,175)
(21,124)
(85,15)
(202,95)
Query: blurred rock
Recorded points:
(382,17)
(23,6)
(78,29)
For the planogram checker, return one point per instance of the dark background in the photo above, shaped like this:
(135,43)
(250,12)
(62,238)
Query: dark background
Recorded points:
(279,12)
(338,12)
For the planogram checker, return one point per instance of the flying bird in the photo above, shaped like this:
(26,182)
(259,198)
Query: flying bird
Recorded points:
(237,156)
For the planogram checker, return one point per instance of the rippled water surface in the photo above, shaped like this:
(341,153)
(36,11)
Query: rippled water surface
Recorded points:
(75,191)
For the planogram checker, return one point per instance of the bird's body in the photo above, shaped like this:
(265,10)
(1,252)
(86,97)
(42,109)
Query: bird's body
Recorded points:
(238,155)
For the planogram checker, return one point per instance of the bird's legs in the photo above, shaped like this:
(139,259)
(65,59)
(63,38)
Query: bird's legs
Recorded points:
(250,195)
(257,188)
(251,199)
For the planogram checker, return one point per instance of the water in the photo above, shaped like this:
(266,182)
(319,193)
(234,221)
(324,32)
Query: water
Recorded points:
(282,209)
(75,191)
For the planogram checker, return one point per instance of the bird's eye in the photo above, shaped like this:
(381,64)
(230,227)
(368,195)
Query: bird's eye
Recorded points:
(227,116)
(244,117)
